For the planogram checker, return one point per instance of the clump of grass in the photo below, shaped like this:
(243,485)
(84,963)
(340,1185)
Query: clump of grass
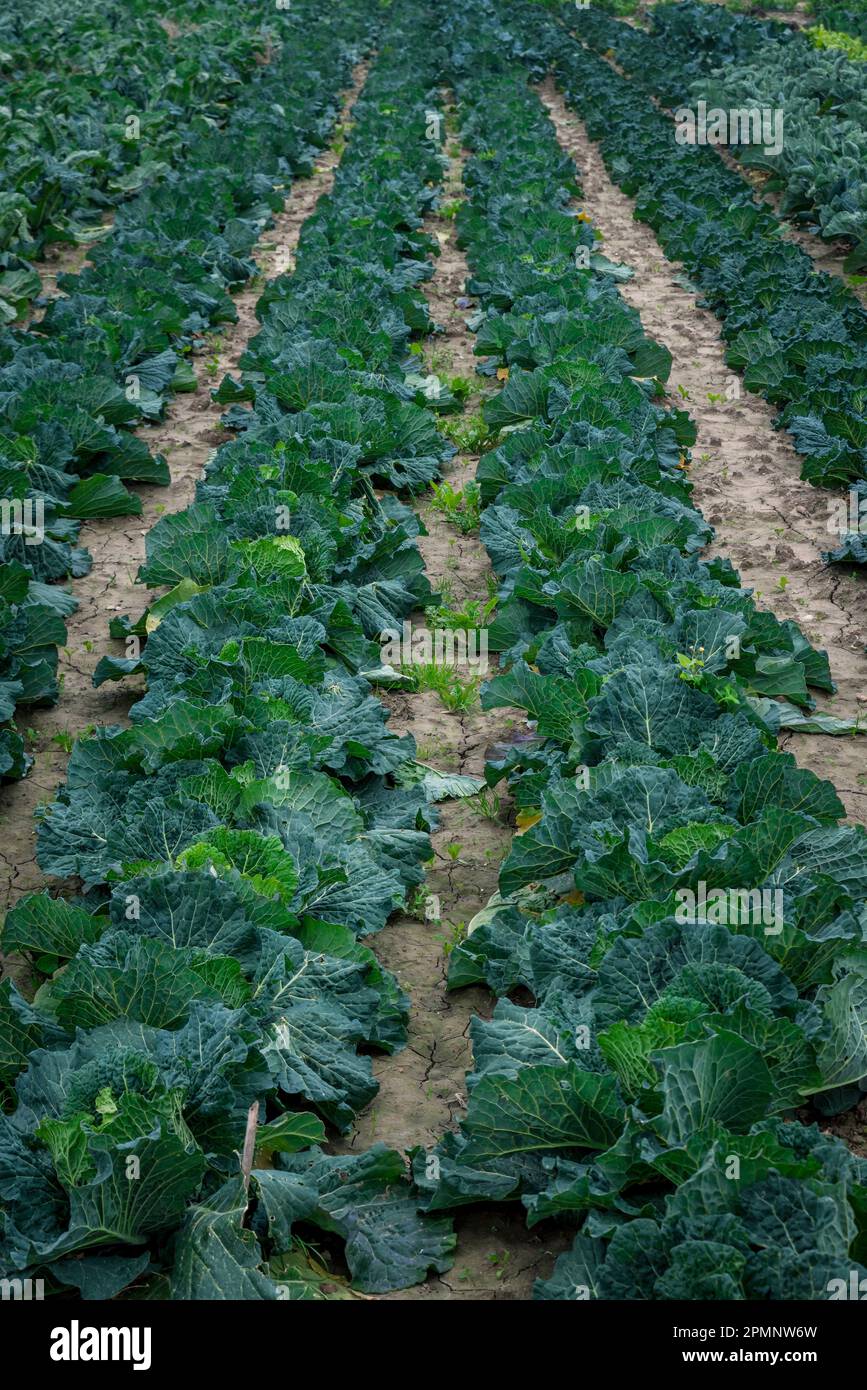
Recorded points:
(455,692)
(473,615)
(440,359)
(486,804)
(468,433)
(460,506)
(457,934)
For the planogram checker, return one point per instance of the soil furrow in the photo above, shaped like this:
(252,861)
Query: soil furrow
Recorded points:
(769,523)
(422,1090)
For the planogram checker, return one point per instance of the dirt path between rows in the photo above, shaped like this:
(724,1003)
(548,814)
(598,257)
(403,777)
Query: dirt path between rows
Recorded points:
(422,1090)
(798,17)
(187,437)
(769,523)
(768,533)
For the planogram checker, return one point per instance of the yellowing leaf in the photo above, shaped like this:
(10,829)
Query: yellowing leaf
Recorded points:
(502,374)
(181,593)
(525,819)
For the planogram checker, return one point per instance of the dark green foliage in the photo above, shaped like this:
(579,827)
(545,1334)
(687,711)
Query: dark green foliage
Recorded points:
(238,839)
(671,1023)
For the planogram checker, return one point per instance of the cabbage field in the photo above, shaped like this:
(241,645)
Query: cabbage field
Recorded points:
(433,536)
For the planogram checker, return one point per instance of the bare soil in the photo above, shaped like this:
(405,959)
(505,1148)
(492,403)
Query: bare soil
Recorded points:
(770,524)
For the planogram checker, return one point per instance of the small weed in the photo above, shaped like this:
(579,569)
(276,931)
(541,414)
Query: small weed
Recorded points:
(455,693)
(457,934)
(500,1261)
(486,804)
(474,614)
(461,386)
(417,902)
(462,507)
(496,855)
(469,433)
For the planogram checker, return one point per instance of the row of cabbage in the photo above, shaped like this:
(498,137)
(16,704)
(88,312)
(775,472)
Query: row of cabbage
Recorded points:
(106,357)
(681,903)
(698,52)
(97,99)
(841,16)
(258,818)
(798,335)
